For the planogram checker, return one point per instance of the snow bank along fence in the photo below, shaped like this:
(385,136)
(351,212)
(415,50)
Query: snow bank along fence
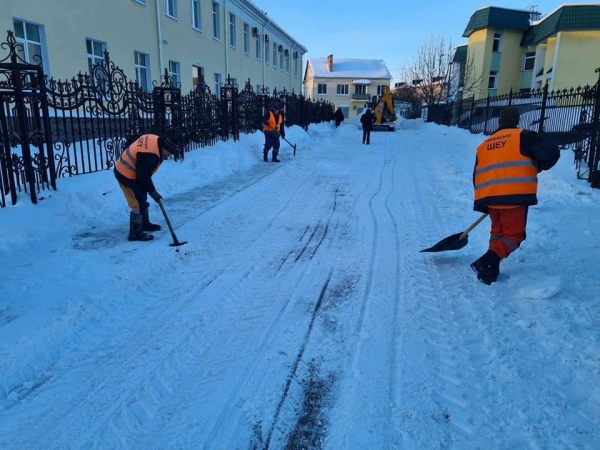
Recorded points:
(568,117)
(51,128)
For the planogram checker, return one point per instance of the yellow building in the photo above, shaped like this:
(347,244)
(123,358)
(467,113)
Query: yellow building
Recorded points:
(189,38)
(347,83)
(518,50)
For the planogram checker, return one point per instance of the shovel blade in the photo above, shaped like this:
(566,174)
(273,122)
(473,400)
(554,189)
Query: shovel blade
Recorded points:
(449,243)
(177,243)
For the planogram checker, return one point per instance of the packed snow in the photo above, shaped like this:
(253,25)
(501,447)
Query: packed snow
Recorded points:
(300,314)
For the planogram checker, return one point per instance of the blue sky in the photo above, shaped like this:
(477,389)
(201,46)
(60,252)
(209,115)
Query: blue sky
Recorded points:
(359,29)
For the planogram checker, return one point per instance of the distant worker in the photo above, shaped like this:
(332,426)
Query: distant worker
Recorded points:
(338,116)
(505,181)
(273,129)
(133,170)
(367,120)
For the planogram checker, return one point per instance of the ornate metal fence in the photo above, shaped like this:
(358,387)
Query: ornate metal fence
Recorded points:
(52,128)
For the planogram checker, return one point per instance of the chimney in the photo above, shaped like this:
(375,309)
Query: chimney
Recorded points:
(330,63)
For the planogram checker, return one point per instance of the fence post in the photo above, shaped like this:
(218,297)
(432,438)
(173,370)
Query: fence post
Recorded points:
(510,95)
(487,108)
(595,137)
(471,115)
(543,111)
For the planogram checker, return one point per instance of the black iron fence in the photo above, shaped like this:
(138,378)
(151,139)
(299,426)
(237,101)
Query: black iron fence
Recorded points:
(568,117)
(51,128)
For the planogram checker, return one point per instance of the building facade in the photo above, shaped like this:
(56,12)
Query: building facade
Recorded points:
(347,83)
(188,38)
(519,50)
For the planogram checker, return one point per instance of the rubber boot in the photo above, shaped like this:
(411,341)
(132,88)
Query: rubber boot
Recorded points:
(487,267)
(265,153)
(275,153)
(135,228)
(147,225)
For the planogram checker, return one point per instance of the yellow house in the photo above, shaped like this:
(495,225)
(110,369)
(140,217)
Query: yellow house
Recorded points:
(518,50)
(189,38)
(347,83)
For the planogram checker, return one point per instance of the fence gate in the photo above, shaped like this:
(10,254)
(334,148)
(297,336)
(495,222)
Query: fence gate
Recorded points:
(25,137)
(168,112)
(593,142)
(229,109)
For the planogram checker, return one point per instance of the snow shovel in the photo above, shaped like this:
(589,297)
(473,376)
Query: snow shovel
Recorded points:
(293,145)
(456,241)
(175,243)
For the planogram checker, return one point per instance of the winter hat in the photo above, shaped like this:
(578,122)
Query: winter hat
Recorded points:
(277,106)
(509,117)
(168,144)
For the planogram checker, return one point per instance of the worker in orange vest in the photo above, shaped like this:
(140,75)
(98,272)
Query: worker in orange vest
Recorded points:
(273,128)
(134,170)
(505,181)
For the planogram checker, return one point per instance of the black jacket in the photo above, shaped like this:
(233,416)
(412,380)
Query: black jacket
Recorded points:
(367,120)
(338,116)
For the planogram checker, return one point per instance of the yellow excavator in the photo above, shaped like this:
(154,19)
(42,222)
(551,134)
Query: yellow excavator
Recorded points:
(383,109)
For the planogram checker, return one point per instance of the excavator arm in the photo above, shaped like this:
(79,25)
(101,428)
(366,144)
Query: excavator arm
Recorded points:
(385,116)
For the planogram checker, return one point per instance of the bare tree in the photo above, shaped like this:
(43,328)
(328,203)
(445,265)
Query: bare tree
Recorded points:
(427,73)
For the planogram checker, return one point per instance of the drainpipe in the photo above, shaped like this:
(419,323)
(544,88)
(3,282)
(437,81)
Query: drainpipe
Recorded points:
(264,78)
(160,40)
(225,29)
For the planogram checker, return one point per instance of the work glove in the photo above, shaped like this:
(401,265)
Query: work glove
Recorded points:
(282,134)
(155,196)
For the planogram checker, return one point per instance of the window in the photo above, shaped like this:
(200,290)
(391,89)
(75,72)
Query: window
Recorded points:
(493,81)
(496,46)
(232,33)
(280,57)
(342,89)
(266,51)
(196,23)
(174,72)
(360,89)
(528,61)
(30,35)
(95,53)
(246,39)
(296,67)
(258,88)
(287,61)
(197,75)
(258,46)
(380,87)
(171,8)
(274,55)
(142,70)
(321,89)
(218,85)
(216,20)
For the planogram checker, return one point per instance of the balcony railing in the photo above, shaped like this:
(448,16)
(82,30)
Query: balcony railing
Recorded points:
(361,96)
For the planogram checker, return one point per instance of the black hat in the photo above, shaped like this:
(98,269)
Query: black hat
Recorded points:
(168,144)
(509,117)
(277,106)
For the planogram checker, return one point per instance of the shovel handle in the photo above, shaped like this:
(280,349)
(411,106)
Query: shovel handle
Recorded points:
(162,208)
(477,222)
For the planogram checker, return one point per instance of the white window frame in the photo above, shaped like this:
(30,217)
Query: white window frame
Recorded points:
(344,88)
(218,80)
(296,67)
(321,89)
(267,52)
(139,68)
(258,46)
(497,38)
(216,19)
(281,59)
(28,41)
(175,72)
(287,62)
(360,88)
(171,9)
(529,56)
(246,38)
(196,15)
(274,55)
(93,58)
(494,77)
(232,31)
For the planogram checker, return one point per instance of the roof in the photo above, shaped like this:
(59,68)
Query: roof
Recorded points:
(349,68)
(565,18)
(460,53)
(495,17)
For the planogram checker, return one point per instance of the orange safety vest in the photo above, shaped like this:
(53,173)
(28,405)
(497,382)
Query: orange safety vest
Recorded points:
(127,162)
(503,176)
(271,124)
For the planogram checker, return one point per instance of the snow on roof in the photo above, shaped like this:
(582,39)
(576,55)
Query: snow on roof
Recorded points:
(350,68)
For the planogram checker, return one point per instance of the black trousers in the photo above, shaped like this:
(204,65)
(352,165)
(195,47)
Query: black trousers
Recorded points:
(366,136)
